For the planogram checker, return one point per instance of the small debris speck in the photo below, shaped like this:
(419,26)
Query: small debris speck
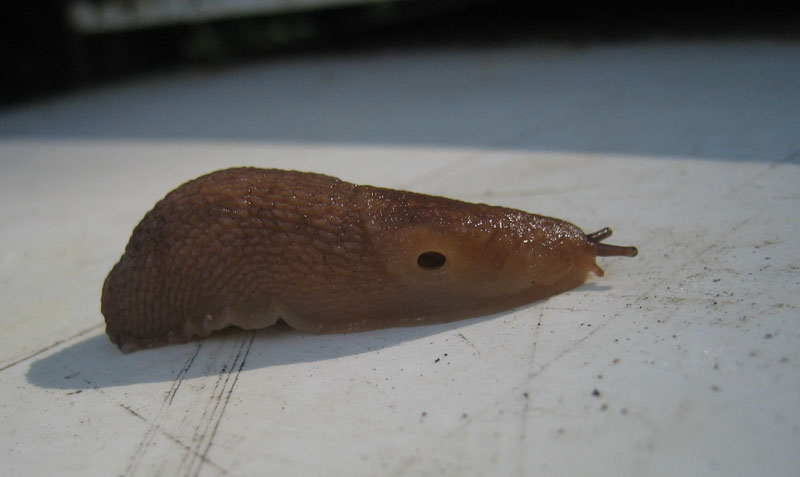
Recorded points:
(715,388)
(596,393)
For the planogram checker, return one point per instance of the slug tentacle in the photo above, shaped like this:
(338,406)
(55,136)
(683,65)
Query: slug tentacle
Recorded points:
(600,235)
(605,250)
(246,247)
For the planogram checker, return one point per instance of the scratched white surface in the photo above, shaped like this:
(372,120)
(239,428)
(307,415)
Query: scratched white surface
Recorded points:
(682,361)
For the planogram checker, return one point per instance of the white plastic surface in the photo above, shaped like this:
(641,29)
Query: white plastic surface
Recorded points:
(682,361)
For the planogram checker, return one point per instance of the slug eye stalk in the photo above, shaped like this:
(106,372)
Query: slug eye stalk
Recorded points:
(606,250)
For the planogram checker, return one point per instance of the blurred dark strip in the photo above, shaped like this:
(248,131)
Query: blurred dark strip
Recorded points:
(42,55)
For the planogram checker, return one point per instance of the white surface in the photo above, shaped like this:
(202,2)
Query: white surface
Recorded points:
(689,151)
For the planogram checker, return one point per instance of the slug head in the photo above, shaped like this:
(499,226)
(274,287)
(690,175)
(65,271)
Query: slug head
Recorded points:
(461,259)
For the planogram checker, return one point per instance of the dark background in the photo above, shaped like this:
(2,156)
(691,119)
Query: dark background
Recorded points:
(42,55)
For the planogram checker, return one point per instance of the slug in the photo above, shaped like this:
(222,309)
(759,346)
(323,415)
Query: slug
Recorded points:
(248,246)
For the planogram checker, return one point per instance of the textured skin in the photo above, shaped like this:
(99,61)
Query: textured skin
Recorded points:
(248,246)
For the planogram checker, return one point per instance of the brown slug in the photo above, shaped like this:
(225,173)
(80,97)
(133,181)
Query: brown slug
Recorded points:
(249,246)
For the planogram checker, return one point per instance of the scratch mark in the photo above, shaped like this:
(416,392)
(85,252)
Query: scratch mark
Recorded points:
(170,436)
(182,374)
(230,393)
(152,427)
(141,448)
(461,335)
(51,346)
(212,416)
(526,402)
(201,432)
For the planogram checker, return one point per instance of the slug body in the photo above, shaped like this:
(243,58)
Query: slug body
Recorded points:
(248,246)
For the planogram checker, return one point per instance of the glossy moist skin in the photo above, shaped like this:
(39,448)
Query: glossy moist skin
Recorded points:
(249,246)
